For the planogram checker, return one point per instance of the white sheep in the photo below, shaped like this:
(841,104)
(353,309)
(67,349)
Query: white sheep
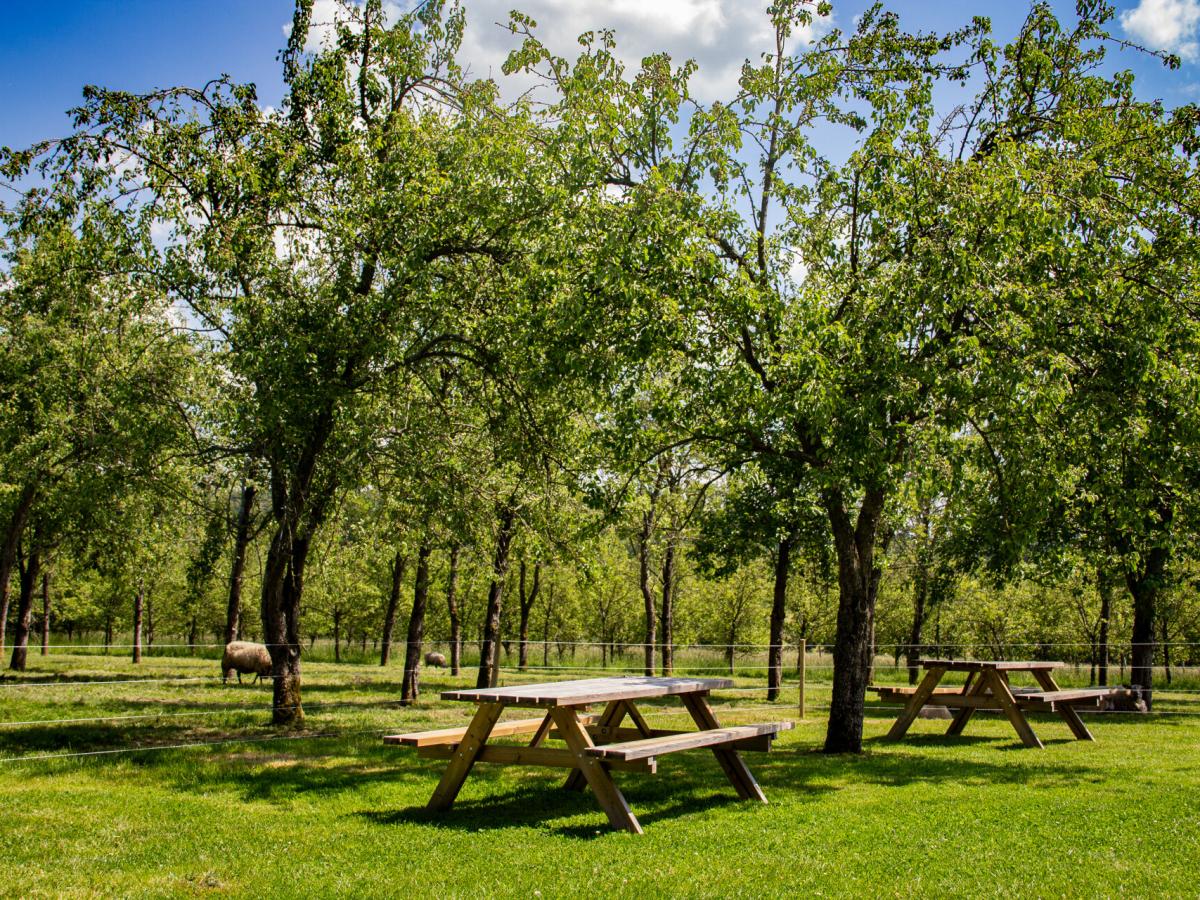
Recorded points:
(245,657)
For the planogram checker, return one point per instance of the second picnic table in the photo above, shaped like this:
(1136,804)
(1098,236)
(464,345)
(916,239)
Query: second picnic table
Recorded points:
(619,747)
(987,687)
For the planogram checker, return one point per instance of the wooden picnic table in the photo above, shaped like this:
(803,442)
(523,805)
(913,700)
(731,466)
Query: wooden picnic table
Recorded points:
(987,687)
(596,744)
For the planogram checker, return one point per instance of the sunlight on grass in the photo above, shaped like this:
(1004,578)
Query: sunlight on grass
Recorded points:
(328,810)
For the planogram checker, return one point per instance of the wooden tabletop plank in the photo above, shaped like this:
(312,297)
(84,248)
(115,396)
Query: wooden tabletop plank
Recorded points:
(688,740)
(999,665)
(1069,694)
(588,690)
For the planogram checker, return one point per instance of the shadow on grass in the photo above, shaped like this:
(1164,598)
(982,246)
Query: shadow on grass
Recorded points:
(692,784)
(688,790)
(36,678)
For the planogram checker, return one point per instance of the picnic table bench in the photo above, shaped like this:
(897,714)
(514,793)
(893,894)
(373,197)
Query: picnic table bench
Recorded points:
(595,743)
(987,687)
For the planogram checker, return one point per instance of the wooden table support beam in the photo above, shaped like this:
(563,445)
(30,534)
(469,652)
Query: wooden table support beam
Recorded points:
(464,756)
(596,773)
(730,760)
(909,714)
(1070,716)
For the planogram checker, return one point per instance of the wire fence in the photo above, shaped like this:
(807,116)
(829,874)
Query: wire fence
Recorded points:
(592,658)
(632,645)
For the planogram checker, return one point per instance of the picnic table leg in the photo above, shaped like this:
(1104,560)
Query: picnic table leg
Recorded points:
(1074,722)
(543,730)
(464,756)
(612,716)
(730,760)
(639,721)
(978,689)
(608,795)
(923,692)
(1008,703)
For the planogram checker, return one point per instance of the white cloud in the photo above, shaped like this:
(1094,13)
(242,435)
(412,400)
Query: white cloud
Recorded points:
(718,34)
(325,16)
(1165,25)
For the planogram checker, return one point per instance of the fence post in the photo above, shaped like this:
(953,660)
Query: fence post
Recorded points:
(803,654)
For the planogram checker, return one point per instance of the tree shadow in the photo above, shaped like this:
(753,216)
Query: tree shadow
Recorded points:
(282,776)
(38,679)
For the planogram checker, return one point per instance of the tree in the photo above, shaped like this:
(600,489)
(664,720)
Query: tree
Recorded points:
(834,318)
(92,375)
(373,227)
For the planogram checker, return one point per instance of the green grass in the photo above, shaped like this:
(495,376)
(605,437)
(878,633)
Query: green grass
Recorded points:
(330,812)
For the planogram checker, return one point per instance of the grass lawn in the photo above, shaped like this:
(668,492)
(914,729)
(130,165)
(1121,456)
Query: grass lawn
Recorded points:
(331,812)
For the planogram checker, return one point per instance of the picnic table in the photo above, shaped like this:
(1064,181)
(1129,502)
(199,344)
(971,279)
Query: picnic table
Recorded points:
(596,744)
(987,687)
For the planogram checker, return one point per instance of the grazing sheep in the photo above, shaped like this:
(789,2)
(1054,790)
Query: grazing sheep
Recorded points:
(245,657)
(1128,700)
(435,659)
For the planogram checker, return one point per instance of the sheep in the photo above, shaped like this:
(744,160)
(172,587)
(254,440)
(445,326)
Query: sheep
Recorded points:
(435,659)
(247,657)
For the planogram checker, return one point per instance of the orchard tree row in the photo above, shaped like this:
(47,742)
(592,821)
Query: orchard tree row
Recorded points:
(407,358)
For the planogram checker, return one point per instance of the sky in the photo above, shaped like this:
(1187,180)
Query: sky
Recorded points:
(49,51)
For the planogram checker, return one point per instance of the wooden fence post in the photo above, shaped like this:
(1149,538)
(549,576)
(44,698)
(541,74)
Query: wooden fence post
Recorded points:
(803,654)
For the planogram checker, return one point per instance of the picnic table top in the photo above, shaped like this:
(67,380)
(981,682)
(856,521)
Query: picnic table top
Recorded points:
(978,665)
(588,690)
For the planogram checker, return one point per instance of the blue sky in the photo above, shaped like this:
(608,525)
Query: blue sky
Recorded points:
(48,51)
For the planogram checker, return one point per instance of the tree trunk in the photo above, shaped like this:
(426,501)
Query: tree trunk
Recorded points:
(8,551)
(668,610)
(139,599)
(30,569)
(489,650)
(643,549)
(527,601)
(546,627)
(410,687)
(783,560)
(241,539)
(398,567)
(1143,588)
(283,584)
(858,582)
(337,635)
(1105,588)
(920,593)
(46,613)
(452,606)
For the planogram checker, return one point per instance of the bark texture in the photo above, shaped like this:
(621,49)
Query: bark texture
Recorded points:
(46,612)
(527,599)
(410,687)
(783,562)
(398,567)
(139,600)
(14,528)
(241,539)
(668,608)
(452,608)
(30,570)
(858,582)
(648,600)
(489,650)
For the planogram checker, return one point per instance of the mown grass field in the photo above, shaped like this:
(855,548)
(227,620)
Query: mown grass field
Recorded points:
(329,811)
